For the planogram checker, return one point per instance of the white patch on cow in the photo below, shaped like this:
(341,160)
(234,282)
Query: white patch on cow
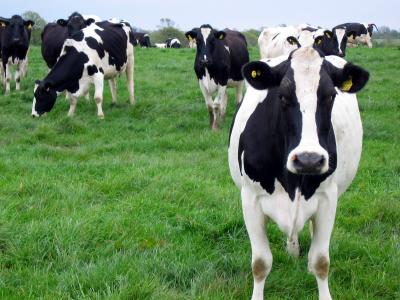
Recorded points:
(340,32)
(306,64)
(207,82)
(227,49)
(205,32)
(160,45)
(273,41)
(173,41)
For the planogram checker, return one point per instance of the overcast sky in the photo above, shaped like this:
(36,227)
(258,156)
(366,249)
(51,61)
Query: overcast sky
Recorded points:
(241,15)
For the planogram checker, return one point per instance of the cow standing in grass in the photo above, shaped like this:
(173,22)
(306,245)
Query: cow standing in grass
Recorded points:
(15,37)
(294,148)
(100,51)
(358,33)
(220,56)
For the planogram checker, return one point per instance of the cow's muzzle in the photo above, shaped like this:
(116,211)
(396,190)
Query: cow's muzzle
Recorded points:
(308,163)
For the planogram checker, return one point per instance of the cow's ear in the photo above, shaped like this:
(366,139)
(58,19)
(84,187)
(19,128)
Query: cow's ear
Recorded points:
(350,79)
(29,24)
(4,22)
(328,34)
(261,76)
(220,35)
(89,21)
(293,41)
(191,35)
(62,22)
(318,40)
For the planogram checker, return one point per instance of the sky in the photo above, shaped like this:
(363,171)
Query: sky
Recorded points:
(220,14)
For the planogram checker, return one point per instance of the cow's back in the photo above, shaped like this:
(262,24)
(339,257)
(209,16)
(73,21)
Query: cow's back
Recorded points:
(239,55)
(53,37)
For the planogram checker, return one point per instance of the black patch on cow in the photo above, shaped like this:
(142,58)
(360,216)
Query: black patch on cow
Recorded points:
(308,28)
(92,43)
(101,70)
(78,36)
(275,36)
(67,71)
(53,37)
(114,44)
(92,70)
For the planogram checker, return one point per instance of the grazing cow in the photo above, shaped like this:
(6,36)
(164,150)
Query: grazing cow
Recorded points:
(54,35)
(100,51)
(173,43)
(294,148)
(14,40)
(141,39)
(220,56)
(276,41)
(359,33)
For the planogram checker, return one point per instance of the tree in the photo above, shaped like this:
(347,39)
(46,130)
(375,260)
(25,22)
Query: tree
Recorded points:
(166,22)
(37,28)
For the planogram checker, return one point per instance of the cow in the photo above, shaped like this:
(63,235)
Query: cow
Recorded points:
(141,39)
(15,37)
(220,56)
(102,50)
(359,33)
(276,41)
(160,45)
(54,35)
(173,43)
(294,148)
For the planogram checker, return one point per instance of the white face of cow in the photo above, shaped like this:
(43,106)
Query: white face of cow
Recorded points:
(306,64)
(304,88)
(341,34)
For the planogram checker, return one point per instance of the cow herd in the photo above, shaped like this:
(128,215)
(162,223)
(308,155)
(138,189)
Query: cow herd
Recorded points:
(296,137)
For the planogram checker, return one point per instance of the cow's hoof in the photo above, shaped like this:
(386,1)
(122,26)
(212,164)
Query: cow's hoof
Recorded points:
(101,117)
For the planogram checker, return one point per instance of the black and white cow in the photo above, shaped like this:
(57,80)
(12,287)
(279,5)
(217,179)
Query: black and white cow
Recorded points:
(276,41)
(102,50)
(220,56)
(54,35)
(141,39)
(15,37)
(173,43)
(359,33)
(295,146)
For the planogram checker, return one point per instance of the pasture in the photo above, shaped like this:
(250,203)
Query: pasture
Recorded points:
(141,205)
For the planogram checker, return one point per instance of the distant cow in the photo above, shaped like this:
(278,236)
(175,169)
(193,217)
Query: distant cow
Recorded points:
(359,33)
(141,39)
(14,42)
(294,148)
(276,41)
(54,35)
(173,43)
(220,57)
(102,50)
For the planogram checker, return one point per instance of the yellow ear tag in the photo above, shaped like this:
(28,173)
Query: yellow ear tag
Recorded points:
(255,73)
(346,86)
(221,37)
(29,26)
(328,34)
(319,41)
(190,38)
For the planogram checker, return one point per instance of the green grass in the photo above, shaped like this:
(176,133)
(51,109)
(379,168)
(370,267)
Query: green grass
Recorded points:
(141,205)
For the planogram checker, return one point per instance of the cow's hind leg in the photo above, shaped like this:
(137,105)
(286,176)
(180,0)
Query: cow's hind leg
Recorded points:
(113,88)
(318,256)
(261,260)
(239,92)
(98,95)
(7,77)
(130,73)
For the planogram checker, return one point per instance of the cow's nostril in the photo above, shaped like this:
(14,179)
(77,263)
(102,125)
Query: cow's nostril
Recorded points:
(308,162)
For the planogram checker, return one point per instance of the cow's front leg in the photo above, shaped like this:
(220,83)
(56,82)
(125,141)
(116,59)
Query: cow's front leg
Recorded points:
(239,92)
(261,259)
(219,105)
(7,77)
(98,95)
(209,102)
(318,256)
(18,75)
(72,105)
(113,88)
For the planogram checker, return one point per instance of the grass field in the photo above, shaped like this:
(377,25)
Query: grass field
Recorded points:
(141,205)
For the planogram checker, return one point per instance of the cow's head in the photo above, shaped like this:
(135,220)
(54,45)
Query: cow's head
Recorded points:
(44,98)
(370,29)
(306,85)
(339,34)
(327,42)
(17,30)
(75,23)
(206,39)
